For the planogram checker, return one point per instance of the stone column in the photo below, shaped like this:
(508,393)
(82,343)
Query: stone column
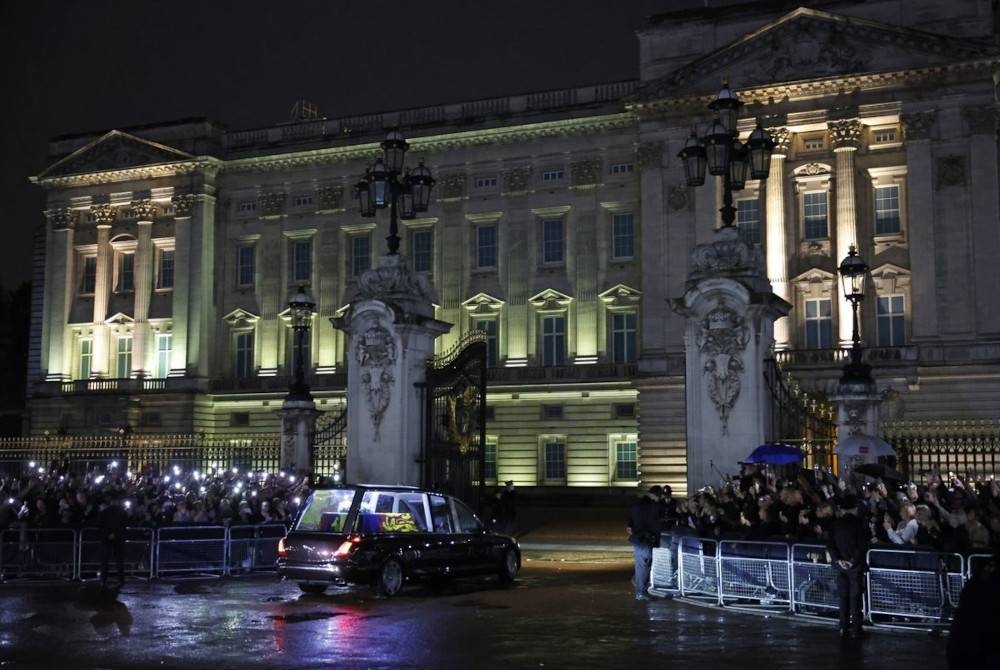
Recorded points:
(846,136)
(298,430)
(774,241)
(391,331)
(917,128)
(984,176)
(731,311)
(183,205)
(59,291)
(104,214)
(857,414)
(144,211)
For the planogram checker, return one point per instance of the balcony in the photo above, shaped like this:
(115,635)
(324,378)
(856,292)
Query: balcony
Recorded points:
(557,373)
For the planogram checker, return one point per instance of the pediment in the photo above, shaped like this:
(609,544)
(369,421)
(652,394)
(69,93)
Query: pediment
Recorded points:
(550,300)
(115,150)
(621,296)
(482,303)
(241,318)
(808,44)
(119,319)
(814,275)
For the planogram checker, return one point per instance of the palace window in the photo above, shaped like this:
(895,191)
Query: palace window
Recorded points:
(489,326)
(164,343)
(487,182)
(245,265)
(422,249)
(748,220)
(815,215)
(552,175)
(552,241)
(86,358)
(360,254)
(626,458)
(622,236)
(486,246)
(301,260)
(554,459)
(819,323)
(553,340)
(246,206)
(623,337)
(303,200)
(165,268)
(887,221)
(126,272)
(123,357)
(244,355)
(490,459)
(88,283)
(891,319)
(622,168)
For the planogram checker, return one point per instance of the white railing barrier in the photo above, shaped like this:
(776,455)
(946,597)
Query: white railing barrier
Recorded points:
(754,574)
(191,549)
(814,581)
(38,552)
(913,586)
(139,551)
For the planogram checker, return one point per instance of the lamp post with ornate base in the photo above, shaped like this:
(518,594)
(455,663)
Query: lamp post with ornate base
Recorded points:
(298,411)
(857,394)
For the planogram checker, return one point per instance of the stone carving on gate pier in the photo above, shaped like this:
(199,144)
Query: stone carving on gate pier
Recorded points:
(721,339)
(376,355)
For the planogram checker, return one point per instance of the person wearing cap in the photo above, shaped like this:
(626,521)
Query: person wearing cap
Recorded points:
(644,526)
(847,544)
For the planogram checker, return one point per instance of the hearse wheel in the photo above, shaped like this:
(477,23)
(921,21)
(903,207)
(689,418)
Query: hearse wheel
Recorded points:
(509,566)
(390,578)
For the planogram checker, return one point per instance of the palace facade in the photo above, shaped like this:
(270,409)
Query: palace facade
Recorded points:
(560,225)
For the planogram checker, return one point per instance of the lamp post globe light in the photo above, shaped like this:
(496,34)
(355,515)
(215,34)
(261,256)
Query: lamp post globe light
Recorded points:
(386,184)
(301,307)
(853,274)
(722,154)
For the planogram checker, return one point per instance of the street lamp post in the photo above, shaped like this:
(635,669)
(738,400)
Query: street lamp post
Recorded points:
(301,307)
(724,155)
(385,184)
(853,273)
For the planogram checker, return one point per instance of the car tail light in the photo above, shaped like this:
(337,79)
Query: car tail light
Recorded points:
(346,547)
(282,549)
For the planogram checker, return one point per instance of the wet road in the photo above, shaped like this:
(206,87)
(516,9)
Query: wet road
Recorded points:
(558,615)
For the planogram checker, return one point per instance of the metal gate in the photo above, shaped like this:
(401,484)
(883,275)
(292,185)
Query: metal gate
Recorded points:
(800,419)
(455,419)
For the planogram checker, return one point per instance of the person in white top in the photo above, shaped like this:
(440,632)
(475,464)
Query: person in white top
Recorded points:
(905,531)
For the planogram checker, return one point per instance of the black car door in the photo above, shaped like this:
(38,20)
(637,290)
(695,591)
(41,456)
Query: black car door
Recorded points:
(450,548)
(480,543)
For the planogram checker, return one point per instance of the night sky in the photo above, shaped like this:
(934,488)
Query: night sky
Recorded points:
(73,67)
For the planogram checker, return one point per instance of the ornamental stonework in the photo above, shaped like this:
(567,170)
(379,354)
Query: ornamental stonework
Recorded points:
(103,214)
(330,197)
(271,204)
(782,138)
(722,338)
(918,125)
(981,120)
(143,210)
(845,134)
(649,155)
(62,218)
(585,173)
(451,185)
(950,171)
(678,197)
(516,180)
(183,205)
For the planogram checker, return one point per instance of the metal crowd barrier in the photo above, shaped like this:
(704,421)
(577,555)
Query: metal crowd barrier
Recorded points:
(903,588)
(66,553)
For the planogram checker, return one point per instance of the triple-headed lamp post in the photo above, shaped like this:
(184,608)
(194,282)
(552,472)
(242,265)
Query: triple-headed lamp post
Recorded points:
(724,155)
(301,308)
(853,273)
(386,185)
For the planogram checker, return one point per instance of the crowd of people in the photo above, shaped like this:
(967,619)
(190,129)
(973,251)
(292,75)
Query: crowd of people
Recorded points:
(55,497)
(949,512)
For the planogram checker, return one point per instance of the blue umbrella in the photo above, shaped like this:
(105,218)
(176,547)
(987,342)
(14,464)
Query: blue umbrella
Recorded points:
(775,454)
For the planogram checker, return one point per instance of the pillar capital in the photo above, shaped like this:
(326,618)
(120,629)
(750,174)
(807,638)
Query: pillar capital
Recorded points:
(649,155)
(782,138)
(845,134)
(183,205)
(61,218)
(143,210)
(918,125)
(104,214)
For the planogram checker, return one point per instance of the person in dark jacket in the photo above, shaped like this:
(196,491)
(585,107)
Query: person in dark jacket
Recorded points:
(847,546)
(111,524)
(644,526)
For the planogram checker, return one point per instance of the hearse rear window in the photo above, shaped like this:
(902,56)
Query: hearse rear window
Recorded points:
(392,512)
(326,511)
